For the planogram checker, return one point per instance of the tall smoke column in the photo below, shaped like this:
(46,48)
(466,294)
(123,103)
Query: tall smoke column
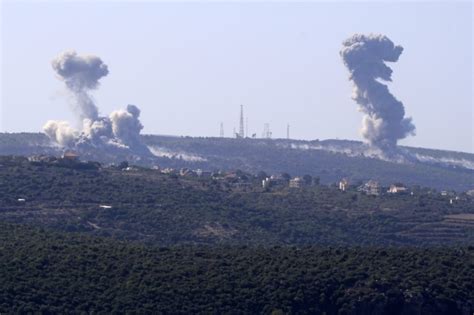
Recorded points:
(81,74)
(384,122)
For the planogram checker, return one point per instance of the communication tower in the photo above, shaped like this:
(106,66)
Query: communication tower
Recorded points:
(267,134)
(241,126)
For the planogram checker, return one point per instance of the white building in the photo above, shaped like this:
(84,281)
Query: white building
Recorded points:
(397,189)
(296,182)
(372,187)
(343,184)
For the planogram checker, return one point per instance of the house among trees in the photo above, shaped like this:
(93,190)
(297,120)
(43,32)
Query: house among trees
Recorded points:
(275,180)
(343,184)
(448,193)
(266,183)
(42,158)
(397,188)
(70,156)
(372,187)
(279,180)
(204,174)
(186,172)
(168,171)
(296,182)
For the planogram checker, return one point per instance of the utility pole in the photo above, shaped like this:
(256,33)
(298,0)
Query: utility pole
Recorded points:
(288,131)
(221,134)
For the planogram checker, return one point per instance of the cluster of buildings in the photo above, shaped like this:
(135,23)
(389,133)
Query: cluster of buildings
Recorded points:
(69,159)
(284,180)
(68,156)
(239,179)
(373,187)
(235,179)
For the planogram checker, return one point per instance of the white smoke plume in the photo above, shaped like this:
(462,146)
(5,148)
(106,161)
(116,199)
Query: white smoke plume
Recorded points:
(125,124)
(60,132)
(121,130)
(384,122)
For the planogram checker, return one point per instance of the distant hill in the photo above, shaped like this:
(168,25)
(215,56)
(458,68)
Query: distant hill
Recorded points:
(330,160)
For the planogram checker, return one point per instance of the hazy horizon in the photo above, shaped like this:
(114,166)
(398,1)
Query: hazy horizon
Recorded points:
(189,66)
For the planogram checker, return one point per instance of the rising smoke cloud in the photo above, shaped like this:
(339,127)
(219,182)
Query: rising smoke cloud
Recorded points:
(60,132)
(384,122)
(120,130)
(81,74)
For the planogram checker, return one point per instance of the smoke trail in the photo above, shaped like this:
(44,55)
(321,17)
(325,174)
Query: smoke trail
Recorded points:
(121,130)
(384,122)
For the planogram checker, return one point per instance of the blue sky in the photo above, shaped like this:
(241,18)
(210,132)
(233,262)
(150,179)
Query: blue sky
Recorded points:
(189,66)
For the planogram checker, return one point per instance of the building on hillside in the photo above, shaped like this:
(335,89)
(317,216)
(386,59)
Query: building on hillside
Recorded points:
(343,184)
(296,182)
(266,183)
(372,187)
(231,177)
(447,193)
(42,158)
(278,180)
(397,189)
(274,181)
(204,174)
(168,171)
(131,169)
(186,172)
(241,185)
(70,156)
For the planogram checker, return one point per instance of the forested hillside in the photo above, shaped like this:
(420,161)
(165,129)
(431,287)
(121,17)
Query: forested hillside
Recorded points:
(81,237)
(147,205)
(44,272)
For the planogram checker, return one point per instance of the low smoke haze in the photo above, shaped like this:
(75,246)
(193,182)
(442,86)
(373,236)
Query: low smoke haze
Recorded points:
(189,66)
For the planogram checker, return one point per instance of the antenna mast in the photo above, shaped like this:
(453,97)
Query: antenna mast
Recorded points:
(241,126)
(267,134)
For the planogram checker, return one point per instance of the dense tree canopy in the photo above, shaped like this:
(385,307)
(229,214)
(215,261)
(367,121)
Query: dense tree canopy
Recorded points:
(50,272)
